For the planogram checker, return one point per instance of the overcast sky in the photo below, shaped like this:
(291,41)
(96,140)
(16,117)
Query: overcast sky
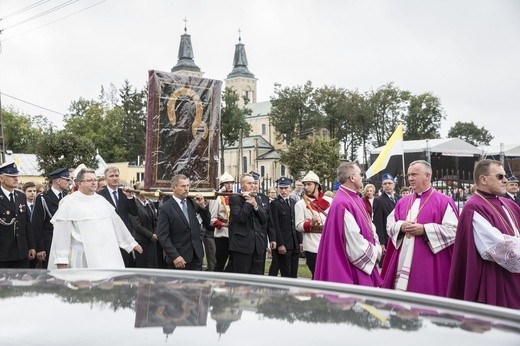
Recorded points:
(465,52)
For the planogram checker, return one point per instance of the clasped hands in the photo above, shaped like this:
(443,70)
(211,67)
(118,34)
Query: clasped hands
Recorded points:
(412,229)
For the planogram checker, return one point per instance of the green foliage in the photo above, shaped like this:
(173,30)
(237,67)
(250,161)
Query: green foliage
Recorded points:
(388,107)
(233,124)
(118,131)
(424,117)
(133,104)
(319,155)
(471,133)
(62,149)
(294,112)
(22,132)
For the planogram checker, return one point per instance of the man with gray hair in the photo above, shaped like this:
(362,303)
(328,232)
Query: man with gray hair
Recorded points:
(349,249)
(421,231)
(87,230)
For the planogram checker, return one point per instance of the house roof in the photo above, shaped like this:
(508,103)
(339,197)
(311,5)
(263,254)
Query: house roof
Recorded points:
(445,146)
(27,164)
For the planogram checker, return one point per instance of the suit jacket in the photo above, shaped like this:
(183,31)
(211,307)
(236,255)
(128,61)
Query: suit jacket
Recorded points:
(268,228)
(516,199)
(284,225)
(41,220)
(16,235)
(147,222)
(126,208)
(382,207)
(177,236)
(247,233)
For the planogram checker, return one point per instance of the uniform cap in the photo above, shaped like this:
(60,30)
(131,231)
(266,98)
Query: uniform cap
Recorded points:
(60,173)
(387,176)
(284,182)
(9,168)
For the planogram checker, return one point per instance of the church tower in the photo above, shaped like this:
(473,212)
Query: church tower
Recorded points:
(185,64)
(241,80)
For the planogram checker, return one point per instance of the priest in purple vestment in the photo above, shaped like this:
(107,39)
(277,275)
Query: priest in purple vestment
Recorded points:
(486,255)
(349,249)
(421,232)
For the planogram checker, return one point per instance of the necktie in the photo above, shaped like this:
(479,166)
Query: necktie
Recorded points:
(32,208)
(287,201)
(59,196)
(185,210)
(11,197)
(116,200)
(392,199)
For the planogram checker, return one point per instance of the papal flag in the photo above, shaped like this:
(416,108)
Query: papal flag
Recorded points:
(394,146)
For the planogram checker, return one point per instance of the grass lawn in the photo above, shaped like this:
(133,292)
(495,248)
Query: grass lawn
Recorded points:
(303,270)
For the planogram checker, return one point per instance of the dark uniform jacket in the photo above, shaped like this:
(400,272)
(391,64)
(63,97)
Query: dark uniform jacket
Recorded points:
(516,199)
(247,231)
(41,219)
(177,236)
(283,221)
(16,235)
(147,222)
(382,207)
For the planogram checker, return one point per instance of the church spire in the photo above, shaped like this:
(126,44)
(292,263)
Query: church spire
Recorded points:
(240,61)
(185,60)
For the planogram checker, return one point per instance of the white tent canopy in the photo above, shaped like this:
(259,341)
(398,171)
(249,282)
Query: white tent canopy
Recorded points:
(445,146)
(509,150)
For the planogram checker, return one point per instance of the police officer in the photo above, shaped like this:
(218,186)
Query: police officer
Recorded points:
(45,206)
(16,240)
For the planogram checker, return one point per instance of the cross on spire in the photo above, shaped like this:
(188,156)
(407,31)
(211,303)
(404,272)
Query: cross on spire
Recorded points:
(239,35)
(185,24)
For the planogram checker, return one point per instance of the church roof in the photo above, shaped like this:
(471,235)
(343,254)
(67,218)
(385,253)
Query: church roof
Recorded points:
(271,155)
(252,142)
(259,109)
(185,60)
(240,62)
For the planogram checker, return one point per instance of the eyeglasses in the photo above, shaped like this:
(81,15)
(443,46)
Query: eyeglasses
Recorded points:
(499,176)
(90,181)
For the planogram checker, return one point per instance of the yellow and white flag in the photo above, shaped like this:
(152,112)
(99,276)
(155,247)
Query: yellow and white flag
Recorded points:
(394,146)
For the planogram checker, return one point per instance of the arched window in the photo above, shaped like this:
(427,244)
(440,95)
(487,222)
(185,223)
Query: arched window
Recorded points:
(262,171)
(282,170)
(264,129)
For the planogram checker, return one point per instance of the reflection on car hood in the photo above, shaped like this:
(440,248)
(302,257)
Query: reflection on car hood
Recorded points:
(76,307)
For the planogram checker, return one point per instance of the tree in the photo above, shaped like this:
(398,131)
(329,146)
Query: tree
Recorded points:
(133,104)
(388,105)
(294,113)
(470,133)
(20,135)
(62,149)
(424,117)
(332,104)
(318,155)
(233,124)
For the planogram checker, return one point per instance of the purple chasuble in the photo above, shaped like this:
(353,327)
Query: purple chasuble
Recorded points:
(332,263)
(429,272)
(472,278)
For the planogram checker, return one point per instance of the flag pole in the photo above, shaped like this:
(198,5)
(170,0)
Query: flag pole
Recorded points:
(404,171)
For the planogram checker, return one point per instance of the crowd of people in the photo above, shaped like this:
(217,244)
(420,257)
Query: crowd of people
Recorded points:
(414,240)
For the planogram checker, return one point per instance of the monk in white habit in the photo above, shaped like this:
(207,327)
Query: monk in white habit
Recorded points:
(87,230)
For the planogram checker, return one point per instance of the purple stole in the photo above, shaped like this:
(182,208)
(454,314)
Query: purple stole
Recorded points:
(473,278)
(429,272)
(332,263)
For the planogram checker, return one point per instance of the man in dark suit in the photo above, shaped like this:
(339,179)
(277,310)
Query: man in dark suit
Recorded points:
(288,240)
(45,206)
(145,233)
(16,240)
(512,189)
(179,226)
(383,206)
(124,205)
(247,237)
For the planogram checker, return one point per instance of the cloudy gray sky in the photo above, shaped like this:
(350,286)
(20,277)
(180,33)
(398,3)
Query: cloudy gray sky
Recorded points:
(466,52)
